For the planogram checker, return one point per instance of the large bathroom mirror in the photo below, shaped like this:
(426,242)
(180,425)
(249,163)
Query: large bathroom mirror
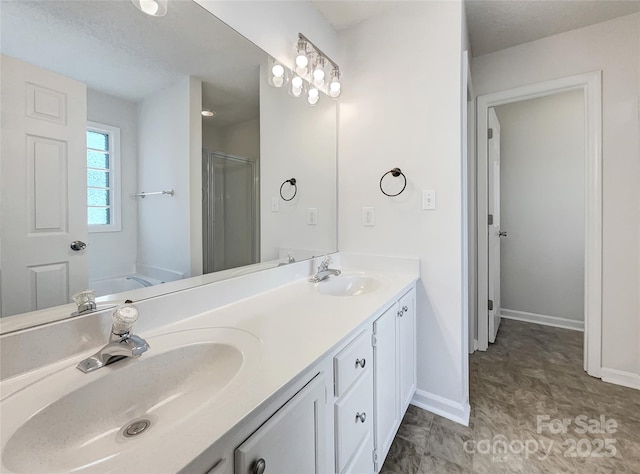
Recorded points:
(149,152)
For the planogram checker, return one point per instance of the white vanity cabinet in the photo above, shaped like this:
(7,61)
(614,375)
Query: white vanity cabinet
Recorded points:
(292,440)
(394,357)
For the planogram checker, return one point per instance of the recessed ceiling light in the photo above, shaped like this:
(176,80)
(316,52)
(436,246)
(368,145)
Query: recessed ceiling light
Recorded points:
(208,113)
(151,7)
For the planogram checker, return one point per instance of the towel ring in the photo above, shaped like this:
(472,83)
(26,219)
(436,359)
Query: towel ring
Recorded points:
(292,182)
(395,172)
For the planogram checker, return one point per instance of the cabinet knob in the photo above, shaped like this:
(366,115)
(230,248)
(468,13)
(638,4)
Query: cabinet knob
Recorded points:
(361,416)
(401,312)
(405,308)
(259,466)
(361,362)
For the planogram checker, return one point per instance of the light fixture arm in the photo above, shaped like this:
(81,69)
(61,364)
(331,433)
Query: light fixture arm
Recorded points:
(318,50)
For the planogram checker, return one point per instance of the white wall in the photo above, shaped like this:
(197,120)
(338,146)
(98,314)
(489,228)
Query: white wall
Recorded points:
(274,26)
(614,48)
(297,141)
(240,139)
(165,149)
(542,190)
(402,107)
(114,253)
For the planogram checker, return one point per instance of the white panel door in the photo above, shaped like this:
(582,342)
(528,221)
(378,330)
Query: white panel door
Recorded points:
(494,228)
(43,176)
(291,440)
(407,336)
(385,380)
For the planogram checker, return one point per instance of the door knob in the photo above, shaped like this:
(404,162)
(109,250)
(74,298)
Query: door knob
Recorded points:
(502,234)
(77,245)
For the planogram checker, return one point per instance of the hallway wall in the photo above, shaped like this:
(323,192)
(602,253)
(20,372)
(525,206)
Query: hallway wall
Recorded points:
(542,205)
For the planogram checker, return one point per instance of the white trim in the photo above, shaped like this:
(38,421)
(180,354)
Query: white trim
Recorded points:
(620,377)
(114,177)
(454,411)
(591,84)
(543,319)
(464,218)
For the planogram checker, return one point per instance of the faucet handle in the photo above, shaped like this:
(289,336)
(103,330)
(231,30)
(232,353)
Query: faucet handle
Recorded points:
(85,300)
(123,318)
(325,262)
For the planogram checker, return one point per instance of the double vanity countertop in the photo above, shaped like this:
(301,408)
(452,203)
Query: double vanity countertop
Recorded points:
(281,334)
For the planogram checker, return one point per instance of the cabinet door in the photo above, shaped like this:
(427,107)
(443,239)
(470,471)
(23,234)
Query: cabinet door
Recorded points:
(291,441)
(407,336)
(385,378)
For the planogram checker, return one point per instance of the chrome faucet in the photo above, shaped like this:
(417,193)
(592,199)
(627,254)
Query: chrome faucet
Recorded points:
(324,271)
(122,344)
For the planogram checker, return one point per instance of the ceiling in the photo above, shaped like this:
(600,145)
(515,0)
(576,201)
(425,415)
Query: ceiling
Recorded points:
(118,50)
(496,24)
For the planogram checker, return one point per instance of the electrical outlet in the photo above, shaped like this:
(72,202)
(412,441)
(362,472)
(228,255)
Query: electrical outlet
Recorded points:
(312,216)
(368,216)
(428,199)
(275,205)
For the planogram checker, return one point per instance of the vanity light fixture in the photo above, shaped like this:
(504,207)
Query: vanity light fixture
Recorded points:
(310,73)
(208,113)
(152,7)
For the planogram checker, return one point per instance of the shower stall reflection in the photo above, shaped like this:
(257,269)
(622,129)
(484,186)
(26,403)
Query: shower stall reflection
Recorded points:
(229,211)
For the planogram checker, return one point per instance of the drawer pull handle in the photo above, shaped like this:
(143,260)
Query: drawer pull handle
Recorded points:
(259,466)
(405,308)
(361,416)
(361,362)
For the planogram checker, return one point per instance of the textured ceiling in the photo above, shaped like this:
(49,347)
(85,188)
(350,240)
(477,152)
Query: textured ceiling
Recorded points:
(344,14)
(498,24)
(116,49)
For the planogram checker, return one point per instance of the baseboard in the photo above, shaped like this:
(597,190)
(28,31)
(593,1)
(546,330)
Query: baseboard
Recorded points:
(620,377)
(444,407)
(543,319)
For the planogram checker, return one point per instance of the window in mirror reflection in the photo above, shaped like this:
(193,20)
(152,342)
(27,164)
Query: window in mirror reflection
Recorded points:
(103,154)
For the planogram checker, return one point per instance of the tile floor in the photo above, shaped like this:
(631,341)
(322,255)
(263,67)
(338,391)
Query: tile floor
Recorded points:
(530,371)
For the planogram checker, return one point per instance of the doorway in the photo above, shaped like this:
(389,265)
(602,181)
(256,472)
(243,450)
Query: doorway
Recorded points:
(488,314)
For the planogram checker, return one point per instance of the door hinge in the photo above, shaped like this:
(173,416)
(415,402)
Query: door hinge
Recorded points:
(373,340)
(490,133)
(490,305)
(490,219)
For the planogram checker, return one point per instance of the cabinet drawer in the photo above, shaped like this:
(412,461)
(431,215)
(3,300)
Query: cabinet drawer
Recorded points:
(354,421)
(351,362)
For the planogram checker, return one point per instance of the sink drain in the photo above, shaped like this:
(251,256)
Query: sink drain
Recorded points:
(136,428)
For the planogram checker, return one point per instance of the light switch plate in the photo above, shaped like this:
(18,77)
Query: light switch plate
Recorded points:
(312,216)
(275,204)
(368,216)
(428,199)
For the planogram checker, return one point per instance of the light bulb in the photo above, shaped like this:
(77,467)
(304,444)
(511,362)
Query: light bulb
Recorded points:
(302,61)
(296,86)
(313,96)
(335,88)
(278,70)
(150,7)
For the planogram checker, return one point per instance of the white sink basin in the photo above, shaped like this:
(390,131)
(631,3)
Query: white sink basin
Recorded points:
(348,285)
(71,421)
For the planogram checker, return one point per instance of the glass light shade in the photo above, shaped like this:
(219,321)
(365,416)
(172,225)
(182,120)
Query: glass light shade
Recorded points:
(301,59)
(313,96)
(277,73)
(152,7)
(335,87)
(318,73)
(297,87)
